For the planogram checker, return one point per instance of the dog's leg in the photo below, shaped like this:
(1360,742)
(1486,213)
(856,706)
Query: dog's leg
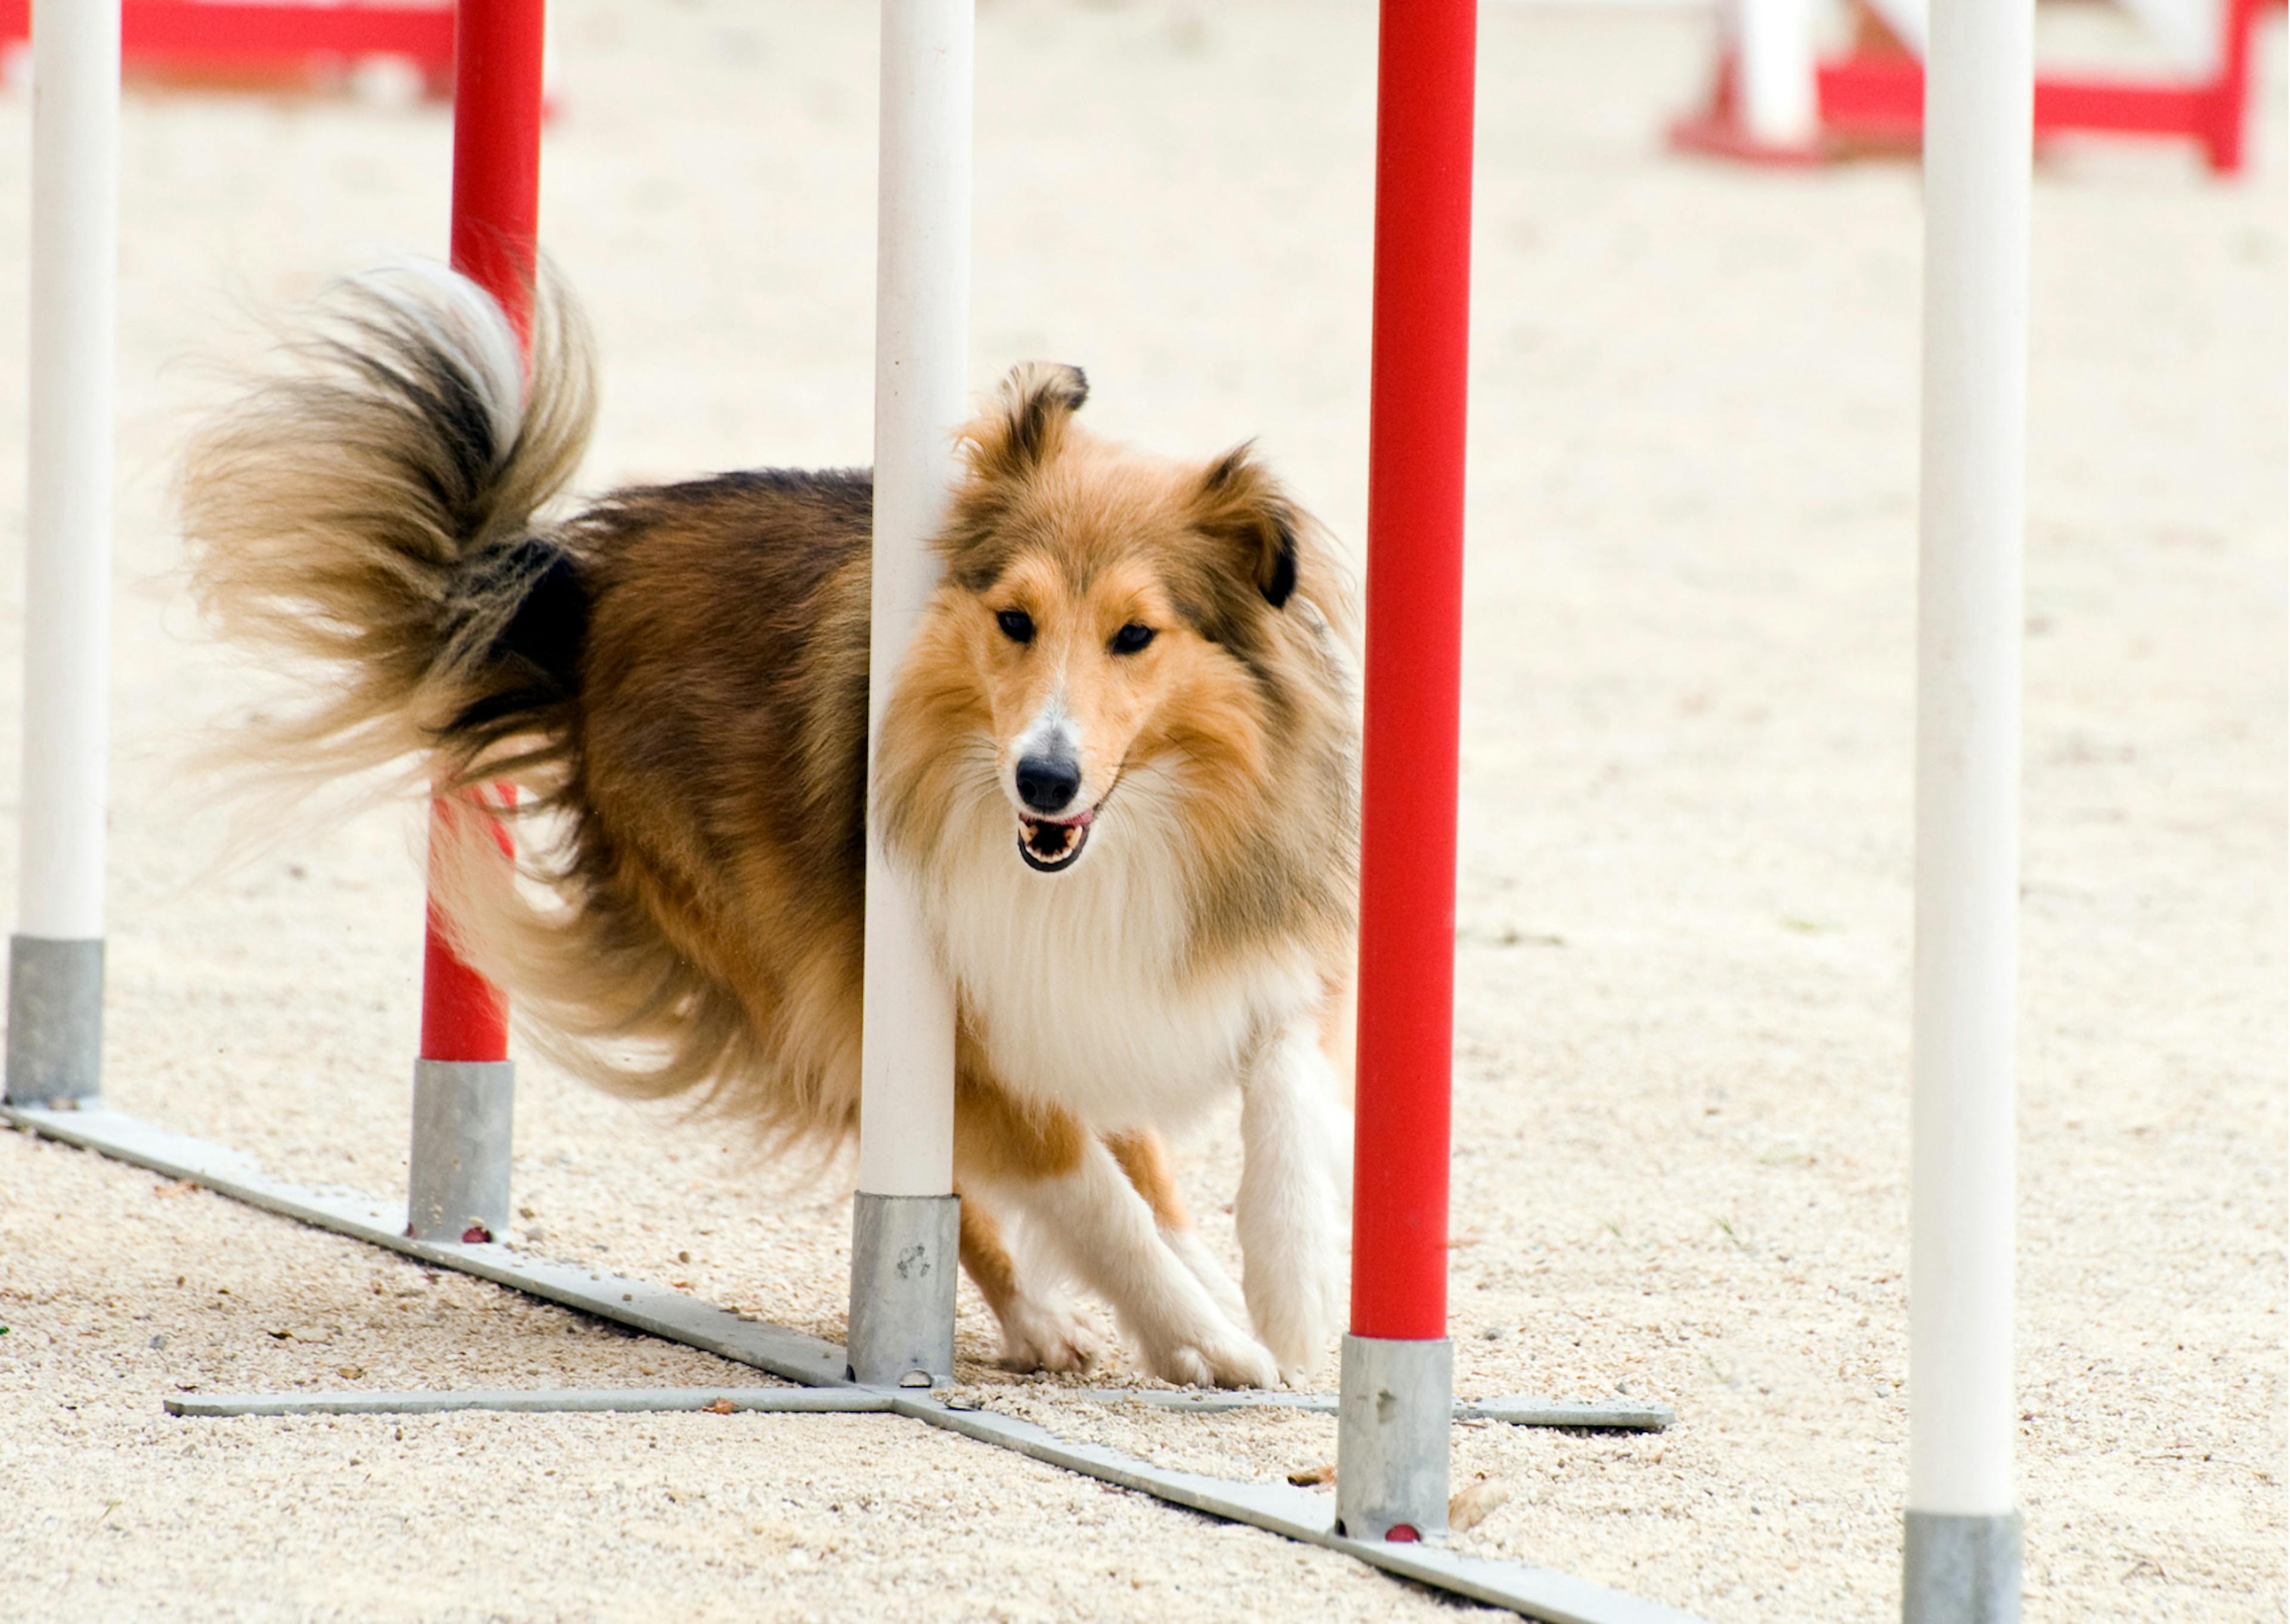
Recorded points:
(1145,1159)
(1105,1233)
(1040,1330)
(1079,1203)
(1290,1209)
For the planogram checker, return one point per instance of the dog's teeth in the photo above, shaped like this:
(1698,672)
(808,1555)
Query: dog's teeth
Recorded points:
(1051,846)
(1049,839)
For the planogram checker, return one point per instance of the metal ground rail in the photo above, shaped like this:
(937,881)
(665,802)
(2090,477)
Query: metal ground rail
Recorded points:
(823,1387)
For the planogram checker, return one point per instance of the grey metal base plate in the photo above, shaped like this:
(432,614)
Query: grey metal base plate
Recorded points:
(1516,1409)
(544,1401)
(1298,1514)
(635,1303)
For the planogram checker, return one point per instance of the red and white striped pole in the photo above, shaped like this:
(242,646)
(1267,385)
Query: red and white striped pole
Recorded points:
(464,1087)
(1397,1364)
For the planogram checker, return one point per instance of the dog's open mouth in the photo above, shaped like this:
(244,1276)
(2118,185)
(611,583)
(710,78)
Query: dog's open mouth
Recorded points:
(1051,844)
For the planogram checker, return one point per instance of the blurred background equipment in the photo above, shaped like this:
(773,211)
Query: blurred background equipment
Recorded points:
(1776,98)
(230,43)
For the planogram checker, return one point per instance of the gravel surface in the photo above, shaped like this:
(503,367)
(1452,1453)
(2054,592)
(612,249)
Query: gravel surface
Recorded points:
(1683,928)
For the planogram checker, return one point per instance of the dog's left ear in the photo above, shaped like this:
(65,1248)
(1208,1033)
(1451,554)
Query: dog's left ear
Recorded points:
(1241,503)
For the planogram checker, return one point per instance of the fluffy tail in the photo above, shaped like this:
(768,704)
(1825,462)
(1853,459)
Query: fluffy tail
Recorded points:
(369,512)
(369,509)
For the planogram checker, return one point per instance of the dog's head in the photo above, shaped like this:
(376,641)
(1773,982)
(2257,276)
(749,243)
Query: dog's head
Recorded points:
(1102,613)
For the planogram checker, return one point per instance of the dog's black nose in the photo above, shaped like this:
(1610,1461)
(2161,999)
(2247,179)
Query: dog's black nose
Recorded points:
(1048,783)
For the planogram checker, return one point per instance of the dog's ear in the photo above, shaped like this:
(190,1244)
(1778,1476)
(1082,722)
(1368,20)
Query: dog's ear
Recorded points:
(1242,505)
(1024,421)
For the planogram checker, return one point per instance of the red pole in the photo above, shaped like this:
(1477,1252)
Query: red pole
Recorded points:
(1415,658)
(497,147)
(496,214)
(2225,109)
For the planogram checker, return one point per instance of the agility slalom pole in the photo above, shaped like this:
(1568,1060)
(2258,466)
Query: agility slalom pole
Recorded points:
(55,957)
(1397,1363)
(464,1088)
(1779,71)
(497,98)
(905,1218)
(1961,1562)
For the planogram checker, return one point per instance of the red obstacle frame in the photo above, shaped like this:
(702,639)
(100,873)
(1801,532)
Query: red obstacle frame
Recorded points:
(228,39)
(1876,97)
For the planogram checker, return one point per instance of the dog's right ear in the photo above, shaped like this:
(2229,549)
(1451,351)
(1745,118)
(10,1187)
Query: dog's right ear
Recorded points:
(1024,423)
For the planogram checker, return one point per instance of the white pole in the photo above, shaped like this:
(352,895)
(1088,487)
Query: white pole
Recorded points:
(1963,1534)
(922,366)
(55,960)
(1781,100)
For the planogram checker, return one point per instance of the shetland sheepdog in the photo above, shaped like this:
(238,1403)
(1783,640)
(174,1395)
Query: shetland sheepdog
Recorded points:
(1119,766)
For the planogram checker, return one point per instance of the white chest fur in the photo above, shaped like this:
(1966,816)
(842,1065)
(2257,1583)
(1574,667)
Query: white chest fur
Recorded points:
(1077,983)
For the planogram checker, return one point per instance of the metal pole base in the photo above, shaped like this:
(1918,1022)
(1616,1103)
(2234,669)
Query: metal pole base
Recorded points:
(1960,1570)
(1392,1412)
(55,1022)
(904,1252)
(457,1186)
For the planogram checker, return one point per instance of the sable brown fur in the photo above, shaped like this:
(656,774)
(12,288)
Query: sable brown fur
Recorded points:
(675,677)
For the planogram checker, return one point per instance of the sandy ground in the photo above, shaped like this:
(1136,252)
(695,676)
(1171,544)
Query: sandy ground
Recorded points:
(1685,907)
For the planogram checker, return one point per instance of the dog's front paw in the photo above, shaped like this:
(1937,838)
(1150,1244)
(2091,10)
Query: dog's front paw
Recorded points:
(1297,1315)
(1214,1362)
(1048,1335)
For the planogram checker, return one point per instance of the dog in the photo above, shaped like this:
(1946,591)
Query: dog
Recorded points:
(1119,767)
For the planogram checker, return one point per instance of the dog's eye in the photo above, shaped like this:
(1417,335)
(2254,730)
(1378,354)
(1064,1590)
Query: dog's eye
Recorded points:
(1016,625)
(1132,638)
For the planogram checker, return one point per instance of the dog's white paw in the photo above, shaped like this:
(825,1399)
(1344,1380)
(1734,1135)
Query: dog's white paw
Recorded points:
(1048,1335)
(1300,1359)
(1289,1208)
(1296,1315)
(1214,1361)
